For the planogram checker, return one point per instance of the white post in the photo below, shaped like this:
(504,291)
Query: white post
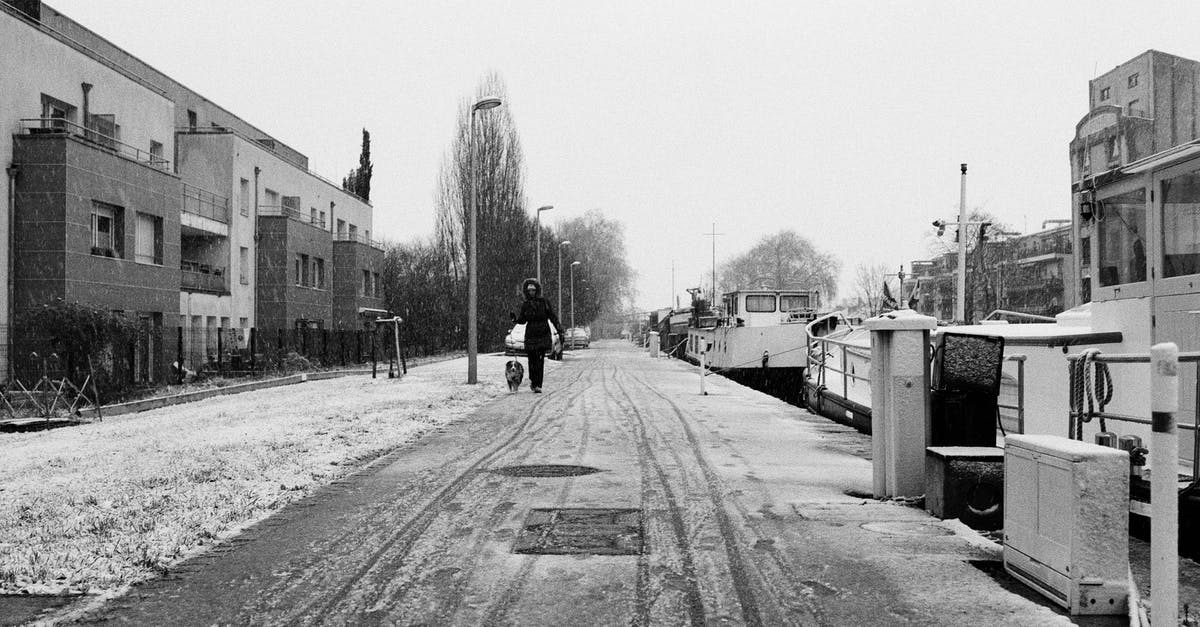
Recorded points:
(703,367)
(899,401)
(1164,484)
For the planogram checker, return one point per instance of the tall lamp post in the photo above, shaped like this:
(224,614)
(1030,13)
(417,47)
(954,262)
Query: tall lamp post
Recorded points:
(573,264)
(537,222)
(490,102)
(565,242)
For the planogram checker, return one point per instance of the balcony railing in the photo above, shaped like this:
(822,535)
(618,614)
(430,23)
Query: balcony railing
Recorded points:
(346,237)
(196,276)
(205,204)
(290,212)
(60,126)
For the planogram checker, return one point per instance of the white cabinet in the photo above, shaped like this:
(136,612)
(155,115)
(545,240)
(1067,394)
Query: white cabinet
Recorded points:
(1066,521)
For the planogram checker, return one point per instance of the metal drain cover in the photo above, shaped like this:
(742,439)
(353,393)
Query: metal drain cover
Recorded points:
(907,529)
(546,470)
(572,531)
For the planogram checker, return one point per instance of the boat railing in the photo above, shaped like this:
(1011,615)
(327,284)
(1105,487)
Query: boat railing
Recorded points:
(1077,415)
(818,361)
(1019,408)
(819,364)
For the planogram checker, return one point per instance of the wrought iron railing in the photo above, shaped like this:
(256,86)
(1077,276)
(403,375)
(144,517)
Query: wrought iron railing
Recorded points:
(62,126)
(290,212)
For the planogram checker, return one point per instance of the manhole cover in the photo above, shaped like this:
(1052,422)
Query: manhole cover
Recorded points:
(581,530)
(907,529)
(546,470)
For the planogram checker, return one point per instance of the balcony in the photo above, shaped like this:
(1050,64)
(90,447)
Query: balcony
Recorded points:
(289,212)
(359,239)
(205,204)
(201,277)
(60,126)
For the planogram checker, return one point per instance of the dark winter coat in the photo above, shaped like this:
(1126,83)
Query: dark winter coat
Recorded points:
(537,316)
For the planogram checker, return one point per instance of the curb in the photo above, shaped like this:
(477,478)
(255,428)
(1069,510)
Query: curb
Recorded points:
(134,407)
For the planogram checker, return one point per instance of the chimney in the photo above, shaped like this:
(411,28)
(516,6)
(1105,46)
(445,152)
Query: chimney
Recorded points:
(87,118)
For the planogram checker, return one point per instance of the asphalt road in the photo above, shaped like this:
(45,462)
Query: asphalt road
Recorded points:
(747,509)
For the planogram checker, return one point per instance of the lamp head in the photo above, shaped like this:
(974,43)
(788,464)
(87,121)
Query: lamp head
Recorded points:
(565,242)
(576,263)
(488,102)
(546,208)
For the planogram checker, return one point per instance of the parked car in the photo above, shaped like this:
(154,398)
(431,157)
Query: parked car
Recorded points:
(577,337)
(514,342)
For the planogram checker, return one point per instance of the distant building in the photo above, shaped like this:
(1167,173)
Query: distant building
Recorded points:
(130,192)
(1021,273)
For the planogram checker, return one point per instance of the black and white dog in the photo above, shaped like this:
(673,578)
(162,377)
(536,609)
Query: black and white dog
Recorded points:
(514,372)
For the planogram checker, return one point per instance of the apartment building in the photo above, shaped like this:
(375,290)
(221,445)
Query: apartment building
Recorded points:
(130,192)
(1020,273)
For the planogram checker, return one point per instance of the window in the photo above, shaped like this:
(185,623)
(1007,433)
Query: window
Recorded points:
(272,198)
(1085,251)
(367,236)
(375,291)
(341,227)
(148,239)
(319,273)
(55,109)
(1135,108)
(353,232)
(192,122)
(366,283)
(321,217)
(1181,224)
(1104,93)
(108,230)
(1133,79)
(244,197)
(244,265)
(1121,229)
(760,303)
(793,302)
(312,215)
(156,151)
(302,269)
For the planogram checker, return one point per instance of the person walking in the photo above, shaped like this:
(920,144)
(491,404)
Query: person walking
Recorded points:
(537,316)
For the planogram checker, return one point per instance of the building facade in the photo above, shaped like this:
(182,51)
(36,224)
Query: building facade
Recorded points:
(130,192)
(1017,273)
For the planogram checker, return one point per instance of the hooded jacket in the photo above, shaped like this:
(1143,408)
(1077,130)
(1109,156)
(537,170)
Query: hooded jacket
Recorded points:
(537,316)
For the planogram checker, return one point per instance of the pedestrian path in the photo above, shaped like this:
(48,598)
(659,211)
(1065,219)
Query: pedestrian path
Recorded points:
(620,496)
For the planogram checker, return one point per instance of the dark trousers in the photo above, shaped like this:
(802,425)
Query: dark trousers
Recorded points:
(537,367)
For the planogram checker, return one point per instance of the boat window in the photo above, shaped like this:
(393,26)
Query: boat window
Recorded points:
(793,302)
(1181,224)
(760,303)
(1121,232)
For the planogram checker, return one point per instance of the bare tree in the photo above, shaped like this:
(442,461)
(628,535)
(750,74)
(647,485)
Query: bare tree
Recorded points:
(784,260)
(868,287)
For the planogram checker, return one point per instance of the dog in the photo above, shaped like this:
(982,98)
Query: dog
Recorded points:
(514,372)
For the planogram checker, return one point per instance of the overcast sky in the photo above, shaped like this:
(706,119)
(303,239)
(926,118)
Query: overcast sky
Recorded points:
(843,120)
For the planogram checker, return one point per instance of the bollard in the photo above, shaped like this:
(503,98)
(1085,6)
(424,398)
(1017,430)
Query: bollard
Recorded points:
(702,369)
(899,401)
(1164,484)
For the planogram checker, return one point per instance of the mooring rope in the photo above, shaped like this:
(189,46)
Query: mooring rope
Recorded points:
(1086,377)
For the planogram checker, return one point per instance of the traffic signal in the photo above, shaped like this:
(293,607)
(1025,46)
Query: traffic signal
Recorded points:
(941,227)
(983,232)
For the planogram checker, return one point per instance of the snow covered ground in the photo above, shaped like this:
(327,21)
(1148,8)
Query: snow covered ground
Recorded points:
(99,506)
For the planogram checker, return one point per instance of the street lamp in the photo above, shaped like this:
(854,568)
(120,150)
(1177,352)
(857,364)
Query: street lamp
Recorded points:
(558,287)
(537,221)
(573,264)
(489,102)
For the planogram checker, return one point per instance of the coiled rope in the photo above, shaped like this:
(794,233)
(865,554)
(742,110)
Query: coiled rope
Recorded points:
(1087,376)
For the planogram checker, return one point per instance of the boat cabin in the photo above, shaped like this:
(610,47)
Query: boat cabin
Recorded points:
(758,308)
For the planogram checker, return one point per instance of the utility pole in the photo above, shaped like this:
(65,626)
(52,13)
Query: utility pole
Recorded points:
(960,309)
(713,301)
(674,298)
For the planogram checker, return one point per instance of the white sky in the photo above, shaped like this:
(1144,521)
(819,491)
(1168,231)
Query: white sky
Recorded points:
(843,120)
